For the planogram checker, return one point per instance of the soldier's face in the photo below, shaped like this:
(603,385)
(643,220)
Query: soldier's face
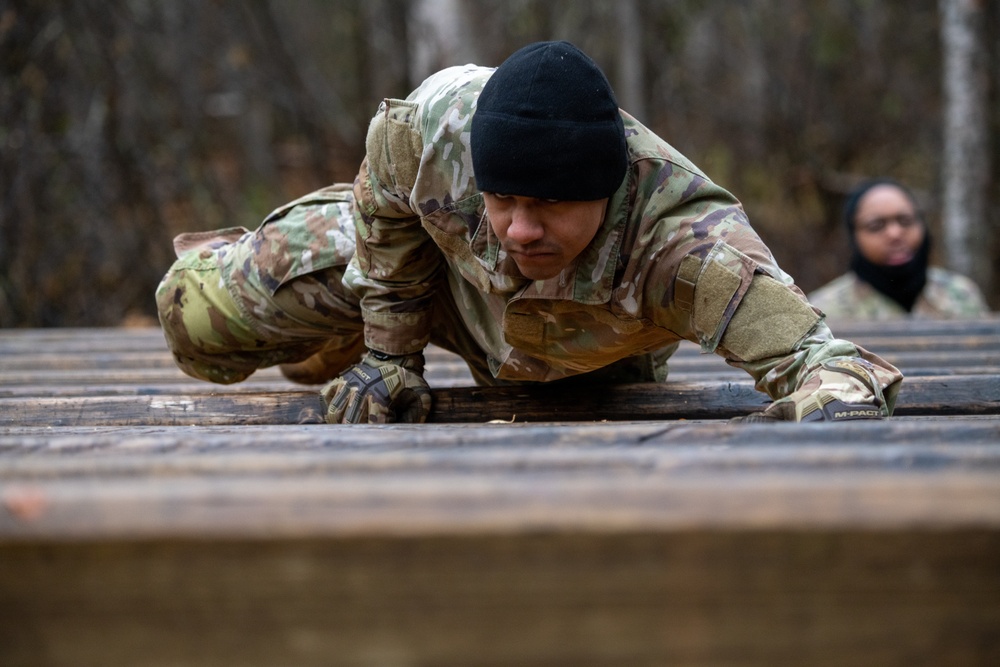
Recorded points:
(887,228)
(543,237)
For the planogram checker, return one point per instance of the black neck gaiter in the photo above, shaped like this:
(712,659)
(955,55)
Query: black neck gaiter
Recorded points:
(903,283)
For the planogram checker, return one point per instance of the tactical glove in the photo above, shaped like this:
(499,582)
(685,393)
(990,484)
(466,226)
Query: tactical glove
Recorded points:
(380,389)
(843,388)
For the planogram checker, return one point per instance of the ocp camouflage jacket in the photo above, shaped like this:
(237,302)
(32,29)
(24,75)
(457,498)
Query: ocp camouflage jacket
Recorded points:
(675,258)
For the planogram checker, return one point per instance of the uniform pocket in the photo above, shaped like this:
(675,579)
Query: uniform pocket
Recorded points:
(312,234)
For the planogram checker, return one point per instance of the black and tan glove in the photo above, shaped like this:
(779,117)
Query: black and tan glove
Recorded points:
(841,389)
(380,389)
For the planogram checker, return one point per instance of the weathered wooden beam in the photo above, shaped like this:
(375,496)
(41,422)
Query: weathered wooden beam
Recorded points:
(915,445)
(698,597)
(706,399)
(411,479)
(851,329)
(949,395)
(67,441)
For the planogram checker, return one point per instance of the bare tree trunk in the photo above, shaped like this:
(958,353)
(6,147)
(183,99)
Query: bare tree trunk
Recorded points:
(966,139)
(631,70)
(386,73)
(439,37)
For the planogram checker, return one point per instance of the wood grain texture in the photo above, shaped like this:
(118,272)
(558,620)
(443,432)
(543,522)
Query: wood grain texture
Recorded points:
(700,597)
(705,399)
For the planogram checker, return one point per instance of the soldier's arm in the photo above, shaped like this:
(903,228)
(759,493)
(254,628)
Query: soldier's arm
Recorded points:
(818,377)
(397,266)
(733,300)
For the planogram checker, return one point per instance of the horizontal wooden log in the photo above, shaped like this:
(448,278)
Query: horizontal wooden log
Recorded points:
(749,598)
(434,503)
(62,441)
(408,479)
(34,455)
(167,382)
(948,395)
(851,329)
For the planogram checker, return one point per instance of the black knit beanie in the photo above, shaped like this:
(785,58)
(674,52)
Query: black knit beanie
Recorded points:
(547,125)
(904,283)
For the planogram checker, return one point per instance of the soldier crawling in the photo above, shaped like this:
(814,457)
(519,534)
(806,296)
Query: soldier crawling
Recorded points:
(517,217)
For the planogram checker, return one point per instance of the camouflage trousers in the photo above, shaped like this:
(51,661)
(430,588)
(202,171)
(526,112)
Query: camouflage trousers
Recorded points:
(236,301)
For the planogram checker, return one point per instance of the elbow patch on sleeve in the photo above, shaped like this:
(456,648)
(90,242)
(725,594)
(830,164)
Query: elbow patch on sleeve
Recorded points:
(770,320)
(393,147)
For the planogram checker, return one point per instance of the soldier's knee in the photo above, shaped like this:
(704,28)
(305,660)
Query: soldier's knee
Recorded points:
(195,314)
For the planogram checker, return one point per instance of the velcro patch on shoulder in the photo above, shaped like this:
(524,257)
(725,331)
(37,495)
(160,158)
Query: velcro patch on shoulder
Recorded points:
(393,146)
(770,321)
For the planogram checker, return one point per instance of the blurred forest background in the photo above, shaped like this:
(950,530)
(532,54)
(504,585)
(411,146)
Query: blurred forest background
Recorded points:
(124,123)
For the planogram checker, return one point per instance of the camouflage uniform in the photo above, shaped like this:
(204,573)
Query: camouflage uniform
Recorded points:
(675,259)
(946,295)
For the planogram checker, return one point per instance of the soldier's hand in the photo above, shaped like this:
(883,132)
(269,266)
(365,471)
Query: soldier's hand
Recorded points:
(379,391)
(842,389)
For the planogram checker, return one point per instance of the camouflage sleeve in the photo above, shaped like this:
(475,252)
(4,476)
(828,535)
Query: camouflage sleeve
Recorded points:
(821,372)
(716,283)
(781,341)
(705,261)
(705,275)
(397,266)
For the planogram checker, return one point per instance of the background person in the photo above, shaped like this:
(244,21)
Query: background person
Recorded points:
(889,275)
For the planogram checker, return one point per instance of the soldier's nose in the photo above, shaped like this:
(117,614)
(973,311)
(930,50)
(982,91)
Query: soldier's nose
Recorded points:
(524,227)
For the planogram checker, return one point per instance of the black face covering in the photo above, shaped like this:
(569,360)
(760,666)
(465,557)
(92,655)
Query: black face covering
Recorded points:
(904,283)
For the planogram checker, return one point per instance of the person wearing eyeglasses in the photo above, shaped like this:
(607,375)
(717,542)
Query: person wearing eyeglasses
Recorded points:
(889,275)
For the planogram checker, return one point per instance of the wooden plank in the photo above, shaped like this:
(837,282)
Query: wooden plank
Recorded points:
(411,480)
(748,598)
(948,395)
(65,441)
(159,382)
(707,399)
(99,367)
(850,329)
